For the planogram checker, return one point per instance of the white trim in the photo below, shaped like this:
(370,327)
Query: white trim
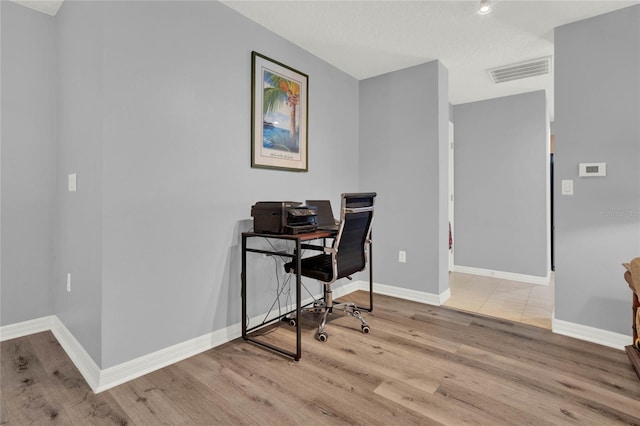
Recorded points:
(137,367)
(531,279)
(590,334)
(549,183)
(388,290)
(350,287)
(25,328)
(130,370)
(444,296)
(413,295)
(101,380)
(82,360)
(451,192)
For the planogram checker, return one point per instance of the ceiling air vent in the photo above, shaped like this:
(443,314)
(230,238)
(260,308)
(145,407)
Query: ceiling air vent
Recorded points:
(521,70)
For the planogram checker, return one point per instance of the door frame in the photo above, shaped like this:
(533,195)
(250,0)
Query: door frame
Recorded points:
(451,194)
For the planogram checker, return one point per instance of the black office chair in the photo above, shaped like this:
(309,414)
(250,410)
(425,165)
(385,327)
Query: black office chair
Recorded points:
(347,256)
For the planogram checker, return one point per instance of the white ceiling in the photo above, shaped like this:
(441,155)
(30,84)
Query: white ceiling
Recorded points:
(50,7)
(369,38)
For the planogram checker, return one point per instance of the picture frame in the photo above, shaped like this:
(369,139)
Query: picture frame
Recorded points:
(279,109)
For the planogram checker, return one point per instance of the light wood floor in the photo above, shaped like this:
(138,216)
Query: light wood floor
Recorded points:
(513,300)
(421,365)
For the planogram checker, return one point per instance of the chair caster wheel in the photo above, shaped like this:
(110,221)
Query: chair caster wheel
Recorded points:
(323,336)
(366,329)
(290,321)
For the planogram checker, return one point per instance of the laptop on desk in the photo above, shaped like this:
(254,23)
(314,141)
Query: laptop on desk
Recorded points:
(325,219)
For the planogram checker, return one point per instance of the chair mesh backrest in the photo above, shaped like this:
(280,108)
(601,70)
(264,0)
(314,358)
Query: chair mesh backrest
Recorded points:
(356,216)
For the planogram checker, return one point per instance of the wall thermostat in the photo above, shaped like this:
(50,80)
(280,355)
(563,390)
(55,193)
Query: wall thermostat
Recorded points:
(592,169)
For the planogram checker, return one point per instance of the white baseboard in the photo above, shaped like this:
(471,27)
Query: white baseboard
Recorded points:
(531,279)
(19,329)
(81,359)
(407,294)
(388,290)
(83,362)
(137,367)
(590,334)
(130,370)
(101,380)
(444,296)
(350,287)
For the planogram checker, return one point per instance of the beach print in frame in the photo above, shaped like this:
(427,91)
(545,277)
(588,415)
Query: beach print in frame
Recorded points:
(278,116)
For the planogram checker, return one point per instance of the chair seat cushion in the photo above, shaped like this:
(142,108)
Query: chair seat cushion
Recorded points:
(318,267)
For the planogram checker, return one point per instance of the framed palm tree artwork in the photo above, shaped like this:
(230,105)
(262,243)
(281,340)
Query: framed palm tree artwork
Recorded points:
(279,109)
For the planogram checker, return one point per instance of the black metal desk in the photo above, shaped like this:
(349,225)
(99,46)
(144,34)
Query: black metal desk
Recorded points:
(299,241)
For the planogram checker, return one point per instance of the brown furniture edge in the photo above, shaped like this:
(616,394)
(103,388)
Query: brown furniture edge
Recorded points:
(634,357)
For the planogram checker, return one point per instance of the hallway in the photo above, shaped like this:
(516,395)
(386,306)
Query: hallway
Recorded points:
(516,301)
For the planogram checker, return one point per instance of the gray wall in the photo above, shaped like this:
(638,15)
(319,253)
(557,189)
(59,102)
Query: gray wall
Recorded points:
(501,184)
(403,137)
(78,236)
(175,182)
(28,154)
(597,95)
(1,137)
(149,103)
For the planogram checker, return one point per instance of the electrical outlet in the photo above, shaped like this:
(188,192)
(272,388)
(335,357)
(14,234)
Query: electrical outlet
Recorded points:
(69,282)
(402,256)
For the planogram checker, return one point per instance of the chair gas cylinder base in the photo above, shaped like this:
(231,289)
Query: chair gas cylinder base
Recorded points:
(327,307)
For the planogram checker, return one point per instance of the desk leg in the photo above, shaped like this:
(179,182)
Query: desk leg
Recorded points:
(298,255)
(243,288)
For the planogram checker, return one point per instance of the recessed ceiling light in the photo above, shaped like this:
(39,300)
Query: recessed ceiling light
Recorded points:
(485,7)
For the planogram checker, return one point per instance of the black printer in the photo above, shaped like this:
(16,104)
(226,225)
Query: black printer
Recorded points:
(283,217)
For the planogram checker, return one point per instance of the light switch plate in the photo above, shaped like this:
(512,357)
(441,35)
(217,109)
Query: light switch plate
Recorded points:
(567,187)
(72,182)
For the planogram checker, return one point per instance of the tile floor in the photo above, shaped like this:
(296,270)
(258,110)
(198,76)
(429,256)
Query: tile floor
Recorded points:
(512,300)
